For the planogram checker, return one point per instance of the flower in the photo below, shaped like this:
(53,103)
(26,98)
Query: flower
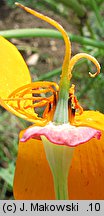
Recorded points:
(58,129)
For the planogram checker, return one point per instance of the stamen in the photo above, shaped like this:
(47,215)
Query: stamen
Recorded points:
(55,98)
(37,105)
(27,98)
(35,86)
(49,107)
(73,104)
(24,100)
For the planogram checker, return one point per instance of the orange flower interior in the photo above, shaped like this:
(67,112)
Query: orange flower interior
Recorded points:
(26,98)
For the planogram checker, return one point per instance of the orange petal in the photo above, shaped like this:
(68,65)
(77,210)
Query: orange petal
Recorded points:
(86,176)
(93,119)
(13,70)
(33,178)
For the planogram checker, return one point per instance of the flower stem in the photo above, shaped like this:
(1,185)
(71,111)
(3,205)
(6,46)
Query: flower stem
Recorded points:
(59,159)
(61,188)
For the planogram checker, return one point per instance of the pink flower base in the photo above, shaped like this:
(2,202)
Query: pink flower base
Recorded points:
(64,134)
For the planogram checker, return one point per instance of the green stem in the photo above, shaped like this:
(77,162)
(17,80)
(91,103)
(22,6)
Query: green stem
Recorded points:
(50,74)
(75,5)
(90,29)
(96,10)
(28,33)
(88,86)
(61,187)
(59,159)
(85,2)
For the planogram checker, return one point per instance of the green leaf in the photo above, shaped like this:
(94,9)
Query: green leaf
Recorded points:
(8,174)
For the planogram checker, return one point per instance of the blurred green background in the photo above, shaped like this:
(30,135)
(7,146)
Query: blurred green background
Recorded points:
(83,20)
